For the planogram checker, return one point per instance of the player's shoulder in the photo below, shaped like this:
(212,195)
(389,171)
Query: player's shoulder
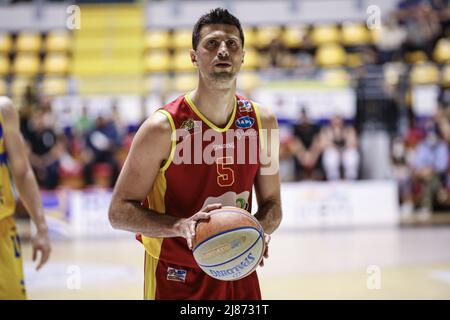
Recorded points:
(268,118)
(157,123)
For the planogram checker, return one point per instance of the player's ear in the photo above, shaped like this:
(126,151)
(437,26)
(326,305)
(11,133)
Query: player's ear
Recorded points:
(193,57)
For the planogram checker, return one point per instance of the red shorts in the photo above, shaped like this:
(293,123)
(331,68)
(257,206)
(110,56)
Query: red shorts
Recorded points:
(164,281)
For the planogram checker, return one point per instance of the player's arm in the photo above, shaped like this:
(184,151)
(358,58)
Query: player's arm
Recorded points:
(150,148)
(267,182)
(24,179)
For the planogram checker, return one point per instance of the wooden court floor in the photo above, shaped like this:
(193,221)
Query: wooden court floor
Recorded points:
(381,263)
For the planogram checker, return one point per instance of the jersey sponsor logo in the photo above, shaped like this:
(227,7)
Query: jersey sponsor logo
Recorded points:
(223,146)
(178,275)
(244,106)
(189,124)
(245,122)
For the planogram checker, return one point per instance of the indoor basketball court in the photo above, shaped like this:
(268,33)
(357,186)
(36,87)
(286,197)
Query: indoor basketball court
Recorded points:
(361,93)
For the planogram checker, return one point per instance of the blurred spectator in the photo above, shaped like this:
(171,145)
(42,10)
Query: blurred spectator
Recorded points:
(30,102)
(102,142)
(401,172)
(392,36)
(305,146)
(430,165)
(45,151)
(340,150)
(84,123)
(120,125)
(423,28)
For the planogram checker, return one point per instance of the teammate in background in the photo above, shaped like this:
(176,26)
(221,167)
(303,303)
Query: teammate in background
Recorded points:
(180,193)
(14,166)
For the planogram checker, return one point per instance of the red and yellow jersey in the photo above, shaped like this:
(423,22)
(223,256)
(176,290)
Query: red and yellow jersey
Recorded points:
(207,164)
(7,200)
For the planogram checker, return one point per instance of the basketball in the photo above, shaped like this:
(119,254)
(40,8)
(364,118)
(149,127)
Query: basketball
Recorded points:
(230,245)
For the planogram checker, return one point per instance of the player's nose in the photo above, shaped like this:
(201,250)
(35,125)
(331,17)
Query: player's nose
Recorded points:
(223,50)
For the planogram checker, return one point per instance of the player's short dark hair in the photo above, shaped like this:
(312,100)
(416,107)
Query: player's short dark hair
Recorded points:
(215,16)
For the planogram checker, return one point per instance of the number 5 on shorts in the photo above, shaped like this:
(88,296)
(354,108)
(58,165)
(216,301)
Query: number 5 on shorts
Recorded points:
(225,174)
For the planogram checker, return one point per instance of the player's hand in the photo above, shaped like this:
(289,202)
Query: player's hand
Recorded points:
(41,244)
(187,226)
(266,249)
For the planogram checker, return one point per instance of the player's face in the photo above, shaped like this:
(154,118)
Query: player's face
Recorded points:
(219,54)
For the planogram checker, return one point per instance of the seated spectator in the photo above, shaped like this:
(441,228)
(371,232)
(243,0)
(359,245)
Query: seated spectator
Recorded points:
(401,172)
(45,151)
(305,146)
(391,39)
(340,150)
(101,144)
(430,165)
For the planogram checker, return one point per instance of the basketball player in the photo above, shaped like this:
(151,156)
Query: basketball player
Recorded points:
(180,193)
(14,166)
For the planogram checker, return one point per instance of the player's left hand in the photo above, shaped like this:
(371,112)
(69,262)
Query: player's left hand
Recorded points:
(266,249)
(41,243)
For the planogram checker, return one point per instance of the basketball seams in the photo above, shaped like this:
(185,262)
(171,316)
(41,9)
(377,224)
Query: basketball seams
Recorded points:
(249,248)
(224,232)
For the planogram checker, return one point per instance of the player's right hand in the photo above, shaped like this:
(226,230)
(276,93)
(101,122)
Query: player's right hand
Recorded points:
(41,245)
(186,227)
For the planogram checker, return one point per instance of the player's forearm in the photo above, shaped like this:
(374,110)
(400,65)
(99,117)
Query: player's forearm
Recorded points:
(132,216)
(31,198)
(269,215)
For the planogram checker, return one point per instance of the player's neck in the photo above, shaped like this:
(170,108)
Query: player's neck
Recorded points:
(215,104)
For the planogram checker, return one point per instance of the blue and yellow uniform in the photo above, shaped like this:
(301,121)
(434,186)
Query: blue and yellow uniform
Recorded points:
(11,272)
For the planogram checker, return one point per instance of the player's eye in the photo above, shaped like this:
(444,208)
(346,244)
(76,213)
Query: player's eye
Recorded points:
(212,42)
(232,43)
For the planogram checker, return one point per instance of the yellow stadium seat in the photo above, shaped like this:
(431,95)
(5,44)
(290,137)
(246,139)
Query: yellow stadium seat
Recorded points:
(5,43)
(248,81)
(26,64)
(4,65)
(157,83)
(416,56)
(324,34)
(355,34)
(445,76)
(424,73)
(184,82)
(249,37)
(54,86)
(19,85)
(182,39)
(28,42)
(441,52)
(182,61)
(354,60)
(336,77)
(265,35)
(330,55)
(3,87)
(157,61)
(58,41)
(293,36)
(56,64)
(157,40)
(252,59)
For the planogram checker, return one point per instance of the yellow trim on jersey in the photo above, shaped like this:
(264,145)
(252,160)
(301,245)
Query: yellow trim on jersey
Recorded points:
(153,245)
(260,128)
(173,137)
(150,277)
(7,199)
(204,119)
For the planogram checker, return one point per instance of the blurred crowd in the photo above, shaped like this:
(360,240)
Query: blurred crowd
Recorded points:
(93,148)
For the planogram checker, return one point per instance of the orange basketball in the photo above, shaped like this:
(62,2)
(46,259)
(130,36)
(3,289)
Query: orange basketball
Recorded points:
(230,245)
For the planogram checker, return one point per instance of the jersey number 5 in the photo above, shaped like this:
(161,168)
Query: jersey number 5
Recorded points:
(225,174)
